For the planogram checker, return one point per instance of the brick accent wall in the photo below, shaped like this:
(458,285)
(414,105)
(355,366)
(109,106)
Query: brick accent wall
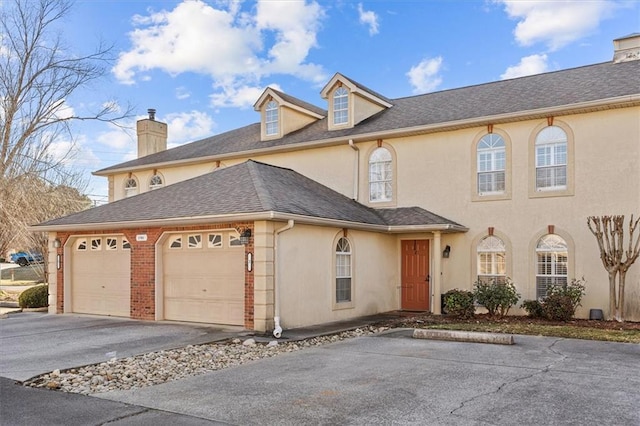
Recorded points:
(143,267)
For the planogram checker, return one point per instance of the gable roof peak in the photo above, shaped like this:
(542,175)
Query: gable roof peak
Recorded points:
(355,87)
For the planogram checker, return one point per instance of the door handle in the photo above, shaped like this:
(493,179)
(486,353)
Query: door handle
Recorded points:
(428,278)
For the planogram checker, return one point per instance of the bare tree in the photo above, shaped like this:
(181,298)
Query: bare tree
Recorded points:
(38,73)
(609,232)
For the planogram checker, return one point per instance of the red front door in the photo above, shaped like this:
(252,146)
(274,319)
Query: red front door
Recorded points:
(415,275)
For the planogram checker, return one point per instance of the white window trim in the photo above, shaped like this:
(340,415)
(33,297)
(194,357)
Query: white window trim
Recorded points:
(505,194)
(556,191)
(270,107)
(340,93)
(350,303)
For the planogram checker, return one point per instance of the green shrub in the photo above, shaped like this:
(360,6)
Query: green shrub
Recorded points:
(534,308)
(497,297)
(459,303)
(34,297)
(561,301)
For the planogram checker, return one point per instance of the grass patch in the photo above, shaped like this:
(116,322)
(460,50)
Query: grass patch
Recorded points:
(566,331)
(26,275)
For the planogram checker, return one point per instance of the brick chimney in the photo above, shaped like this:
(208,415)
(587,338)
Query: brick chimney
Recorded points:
(626,48)
(152,135)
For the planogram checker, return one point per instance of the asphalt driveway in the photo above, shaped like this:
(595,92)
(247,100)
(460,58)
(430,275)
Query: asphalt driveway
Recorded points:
(33,343)
(394,379)
(388,378)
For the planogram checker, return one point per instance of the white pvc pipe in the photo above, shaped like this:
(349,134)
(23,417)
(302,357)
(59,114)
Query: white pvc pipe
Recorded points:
(277,330)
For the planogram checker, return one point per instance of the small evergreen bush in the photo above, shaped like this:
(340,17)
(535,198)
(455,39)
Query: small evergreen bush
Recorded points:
(561,301)
(534,308)
(459,303)
(34,297)
(497,297)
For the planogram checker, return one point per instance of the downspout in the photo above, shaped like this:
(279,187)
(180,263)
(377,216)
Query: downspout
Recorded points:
(356,170)
(277,330)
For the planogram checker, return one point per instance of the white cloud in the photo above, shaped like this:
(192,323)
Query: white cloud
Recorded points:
(237,96)
(235,48)
(188,126)
(182,93)
(368,17)
(119,137)
(425,76)
(529,65)
(556,23)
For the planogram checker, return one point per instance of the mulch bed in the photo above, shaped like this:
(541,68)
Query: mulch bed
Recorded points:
(413,320)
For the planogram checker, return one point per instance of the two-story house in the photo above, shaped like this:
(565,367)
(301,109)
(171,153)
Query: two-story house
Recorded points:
(367,205)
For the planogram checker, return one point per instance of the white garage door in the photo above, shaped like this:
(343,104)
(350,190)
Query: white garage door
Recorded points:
(203,276)
(101,276)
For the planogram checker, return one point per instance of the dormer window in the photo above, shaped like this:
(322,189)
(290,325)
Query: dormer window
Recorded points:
(271,120)
(340,106)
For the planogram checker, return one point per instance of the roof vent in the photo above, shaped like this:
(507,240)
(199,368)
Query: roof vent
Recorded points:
(152,113)
(627,48)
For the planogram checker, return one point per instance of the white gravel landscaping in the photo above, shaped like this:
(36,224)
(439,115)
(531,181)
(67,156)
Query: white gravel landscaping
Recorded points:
(163,366)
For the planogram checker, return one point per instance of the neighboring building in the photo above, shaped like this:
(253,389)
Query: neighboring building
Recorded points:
(371,205)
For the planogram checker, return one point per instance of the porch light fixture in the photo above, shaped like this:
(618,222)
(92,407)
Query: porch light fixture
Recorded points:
(56,243)
(446,252)
(245,236)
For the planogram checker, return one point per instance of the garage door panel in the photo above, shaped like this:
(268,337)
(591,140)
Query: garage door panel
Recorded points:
(204,284)
(101,280)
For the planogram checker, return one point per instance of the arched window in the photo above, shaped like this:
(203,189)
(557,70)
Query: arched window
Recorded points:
(380,175)
(271,120)
(340,106)
(491,157)
(492,263)
(551,263)
(156,182)
(343,271)
(130,187)
(551,159)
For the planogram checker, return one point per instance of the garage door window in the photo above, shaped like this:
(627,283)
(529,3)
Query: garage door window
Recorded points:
(112,244)
(215,240)
(176,242)
(81,245)
(96,244)
(195,241)
(234,240)
(125,244)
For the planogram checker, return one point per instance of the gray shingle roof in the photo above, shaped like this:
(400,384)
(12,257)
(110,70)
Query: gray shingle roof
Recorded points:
(300,103)
(554,89)
(249,187)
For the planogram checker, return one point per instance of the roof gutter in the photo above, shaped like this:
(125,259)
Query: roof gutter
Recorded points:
(617,102)
(241,217)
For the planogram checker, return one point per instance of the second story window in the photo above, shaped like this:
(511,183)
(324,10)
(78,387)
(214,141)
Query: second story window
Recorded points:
(340,106)
(130,187)
(271,121)
(551,159)
(156,182)
(491,157)
(380,175)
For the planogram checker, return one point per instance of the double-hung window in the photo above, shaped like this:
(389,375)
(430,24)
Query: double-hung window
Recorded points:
(271,120)
(492,264)
(551,159)
(380,175)
(491,158)
(340,106)
(551,263)
(343,271)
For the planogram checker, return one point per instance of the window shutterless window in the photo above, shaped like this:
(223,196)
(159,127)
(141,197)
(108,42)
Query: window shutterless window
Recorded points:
(340,106)
(551,263)
(130,187)
(380,175)
(156,182)
(491,162)
(271,120)
(551,159)
(492,264)
(343,271)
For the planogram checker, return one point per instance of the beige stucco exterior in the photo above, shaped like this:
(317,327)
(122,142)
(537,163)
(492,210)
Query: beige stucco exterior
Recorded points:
(436,171)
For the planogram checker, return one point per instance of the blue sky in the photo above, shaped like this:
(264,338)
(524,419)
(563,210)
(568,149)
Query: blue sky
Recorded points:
(203,63)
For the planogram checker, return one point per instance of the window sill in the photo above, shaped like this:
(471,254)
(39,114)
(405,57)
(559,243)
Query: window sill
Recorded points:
(546,193)
(343,305)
